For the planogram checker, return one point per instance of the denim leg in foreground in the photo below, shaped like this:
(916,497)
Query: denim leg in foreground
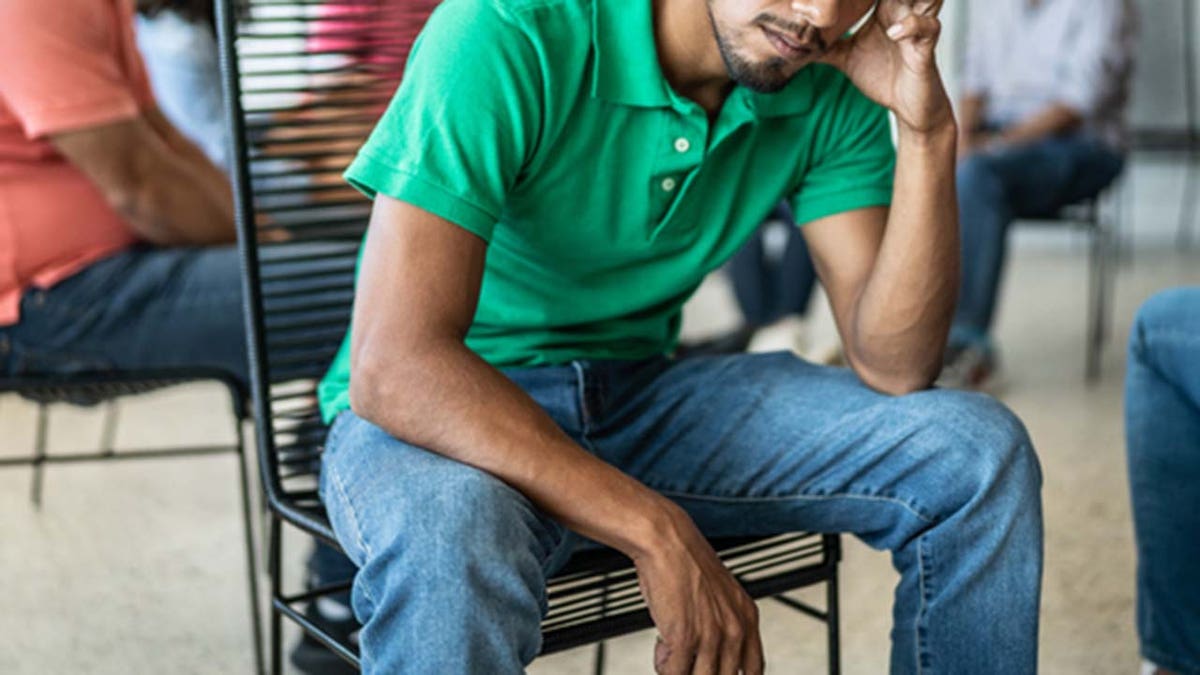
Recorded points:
(454,561)
(996,187)
(1162,409)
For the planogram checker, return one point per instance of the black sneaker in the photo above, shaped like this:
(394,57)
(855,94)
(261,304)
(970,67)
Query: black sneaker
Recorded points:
(334,616)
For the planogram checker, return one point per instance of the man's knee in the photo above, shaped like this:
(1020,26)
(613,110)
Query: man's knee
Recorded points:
(1168,311)
(982,446)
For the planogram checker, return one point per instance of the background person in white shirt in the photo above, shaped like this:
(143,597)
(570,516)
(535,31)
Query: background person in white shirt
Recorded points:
(1042,126)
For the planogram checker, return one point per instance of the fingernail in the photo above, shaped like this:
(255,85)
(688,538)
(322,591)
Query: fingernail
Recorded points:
(895,31)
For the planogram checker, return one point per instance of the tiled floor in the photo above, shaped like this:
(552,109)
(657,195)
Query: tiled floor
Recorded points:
(137,568)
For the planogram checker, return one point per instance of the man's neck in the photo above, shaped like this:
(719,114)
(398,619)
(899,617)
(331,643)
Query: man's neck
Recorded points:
(688,53)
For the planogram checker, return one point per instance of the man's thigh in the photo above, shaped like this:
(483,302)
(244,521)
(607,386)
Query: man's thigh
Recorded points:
(142,308)
(1041,178)
(766,443)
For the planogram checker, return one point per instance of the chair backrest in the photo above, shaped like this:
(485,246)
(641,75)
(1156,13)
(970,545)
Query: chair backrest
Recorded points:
(305,82)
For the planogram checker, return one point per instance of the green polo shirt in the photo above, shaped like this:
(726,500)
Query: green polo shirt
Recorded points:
(547,129)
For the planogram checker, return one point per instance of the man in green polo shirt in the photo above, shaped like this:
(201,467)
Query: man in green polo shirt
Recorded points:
(552,181)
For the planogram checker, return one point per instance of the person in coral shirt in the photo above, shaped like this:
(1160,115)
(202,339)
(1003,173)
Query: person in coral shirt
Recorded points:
(115,230)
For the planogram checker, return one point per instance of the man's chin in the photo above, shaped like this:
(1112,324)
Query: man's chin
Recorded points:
(764,79)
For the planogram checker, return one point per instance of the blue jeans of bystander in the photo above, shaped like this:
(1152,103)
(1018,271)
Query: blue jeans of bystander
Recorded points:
(1162,426)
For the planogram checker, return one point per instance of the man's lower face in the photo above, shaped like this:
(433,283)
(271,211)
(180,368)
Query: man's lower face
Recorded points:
(764,75)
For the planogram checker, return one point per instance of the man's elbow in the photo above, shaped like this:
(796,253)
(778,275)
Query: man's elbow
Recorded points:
(897,382)
(368,394)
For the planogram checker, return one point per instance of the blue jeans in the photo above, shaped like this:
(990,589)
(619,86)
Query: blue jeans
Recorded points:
(997,187)
(1162,426)
(453,562)
(143,308)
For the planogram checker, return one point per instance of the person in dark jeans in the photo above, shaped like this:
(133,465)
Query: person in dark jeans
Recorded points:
(1042,127)
(772,277)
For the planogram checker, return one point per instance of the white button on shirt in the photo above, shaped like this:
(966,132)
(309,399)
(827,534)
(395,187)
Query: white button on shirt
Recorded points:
(682,145)
(668,184)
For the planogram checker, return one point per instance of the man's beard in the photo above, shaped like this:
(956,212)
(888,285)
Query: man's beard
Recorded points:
(766,77)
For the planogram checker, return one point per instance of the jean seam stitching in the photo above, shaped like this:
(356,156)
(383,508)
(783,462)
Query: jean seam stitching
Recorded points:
(784,498)
(919,641)
(354,523)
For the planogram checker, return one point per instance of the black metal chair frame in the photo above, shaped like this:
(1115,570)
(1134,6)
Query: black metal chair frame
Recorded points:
(596,597)
(107,388)
(1088,216)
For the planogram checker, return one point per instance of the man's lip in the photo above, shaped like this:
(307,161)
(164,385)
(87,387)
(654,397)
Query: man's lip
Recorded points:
(789,46)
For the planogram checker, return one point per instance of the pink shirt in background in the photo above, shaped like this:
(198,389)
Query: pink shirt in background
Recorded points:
(64,65)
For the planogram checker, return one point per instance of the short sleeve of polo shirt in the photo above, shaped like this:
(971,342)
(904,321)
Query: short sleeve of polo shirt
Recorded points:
(854,160)
(461,126)
(61,69)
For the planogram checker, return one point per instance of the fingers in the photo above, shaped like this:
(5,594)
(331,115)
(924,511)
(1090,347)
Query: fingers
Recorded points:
(915,27)
(922,7)
(752,650)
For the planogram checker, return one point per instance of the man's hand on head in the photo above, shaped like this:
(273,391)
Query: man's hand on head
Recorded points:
(891,60)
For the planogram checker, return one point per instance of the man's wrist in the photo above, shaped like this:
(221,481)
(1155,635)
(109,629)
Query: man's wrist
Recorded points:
(942,136)
(651,527)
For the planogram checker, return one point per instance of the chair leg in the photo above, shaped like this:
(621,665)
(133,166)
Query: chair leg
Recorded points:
(833,622)
(1099,283)
(108,433)
(39,454)
(598,668)
(1187,211)
(273,554)
(251,558)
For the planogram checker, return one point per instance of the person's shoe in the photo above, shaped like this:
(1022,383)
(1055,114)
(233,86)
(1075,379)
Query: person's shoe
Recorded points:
(969,367)
(313,658)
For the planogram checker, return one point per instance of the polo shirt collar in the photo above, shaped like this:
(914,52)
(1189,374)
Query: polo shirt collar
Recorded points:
(626,68)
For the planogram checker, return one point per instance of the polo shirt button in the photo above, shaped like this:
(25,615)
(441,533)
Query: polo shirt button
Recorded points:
(668,184)
(682,145)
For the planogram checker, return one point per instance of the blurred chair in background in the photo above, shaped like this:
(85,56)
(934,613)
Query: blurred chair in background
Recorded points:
(1162,415)
(1042,127)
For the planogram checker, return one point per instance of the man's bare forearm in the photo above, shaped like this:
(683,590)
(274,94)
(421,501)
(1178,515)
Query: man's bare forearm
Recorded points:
(470,412)
(178,206)
(903,315)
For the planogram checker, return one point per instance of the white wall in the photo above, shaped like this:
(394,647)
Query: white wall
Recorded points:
(1158,91)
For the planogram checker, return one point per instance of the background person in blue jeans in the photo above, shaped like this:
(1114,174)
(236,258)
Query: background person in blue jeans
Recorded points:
(1162,426)
(772,278)
(539,222)
(1045,86)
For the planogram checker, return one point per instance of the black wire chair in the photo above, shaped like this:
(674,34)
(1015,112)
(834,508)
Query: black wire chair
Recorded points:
(108,388)
(305,81)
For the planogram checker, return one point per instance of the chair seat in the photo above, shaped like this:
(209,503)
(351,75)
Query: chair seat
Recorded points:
(596,595)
